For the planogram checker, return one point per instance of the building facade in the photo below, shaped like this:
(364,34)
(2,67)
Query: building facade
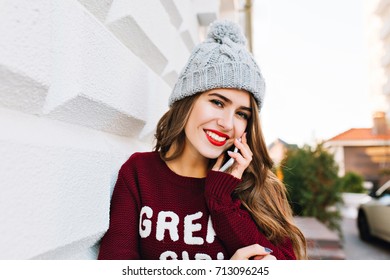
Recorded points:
(365,151)
(82,86)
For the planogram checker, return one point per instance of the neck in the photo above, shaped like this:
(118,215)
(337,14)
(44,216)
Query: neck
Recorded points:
(189,165)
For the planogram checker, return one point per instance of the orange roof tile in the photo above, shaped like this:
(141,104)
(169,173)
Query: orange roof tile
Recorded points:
(359,134)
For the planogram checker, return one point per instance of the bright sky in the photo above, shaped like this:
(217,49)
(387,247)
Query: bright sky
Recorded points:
(313,56)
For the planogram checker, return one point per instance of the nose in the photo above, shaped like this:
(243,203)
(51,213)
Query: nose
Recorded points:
(226,121)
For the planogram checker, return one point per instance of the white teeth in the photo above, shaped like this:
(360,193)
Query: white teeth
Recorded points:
(215,136)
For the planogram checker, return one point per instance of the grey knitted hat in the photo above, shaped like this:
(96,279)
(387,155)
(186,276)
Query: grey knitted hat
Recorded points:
(221,61)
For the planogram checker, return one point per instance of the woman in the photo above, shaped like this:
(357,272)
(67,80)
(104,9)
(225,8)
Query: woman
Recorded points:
(175,202)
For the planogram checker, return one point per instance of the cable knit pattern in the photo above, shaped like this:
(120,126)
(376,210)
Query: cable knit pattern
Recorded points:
(157,214)
(221,61)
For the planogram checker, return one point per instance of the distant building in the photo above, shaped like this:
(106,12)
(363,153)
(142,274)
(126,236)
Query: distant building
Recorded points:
(365,151)
(278,149)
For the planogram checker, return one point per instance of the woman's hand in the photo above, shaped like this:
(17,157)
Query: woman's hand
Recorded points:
(255,252)
(241,159)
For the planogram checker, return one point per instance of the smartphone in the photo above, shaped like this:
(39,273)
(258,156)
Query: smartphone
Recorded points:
(230,161)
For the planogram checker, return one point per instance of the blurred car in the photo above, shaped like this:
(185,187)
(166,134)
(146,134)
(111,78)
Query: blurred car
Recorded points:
(373,219)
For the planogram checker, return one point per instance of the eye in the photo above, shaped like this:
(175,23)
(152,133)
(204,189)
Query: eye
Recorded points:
(217,102)
(243,115)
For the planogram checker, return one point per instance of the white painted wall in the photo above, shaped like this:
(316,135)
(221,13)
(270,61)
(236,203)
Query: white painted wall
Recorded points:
(82,86)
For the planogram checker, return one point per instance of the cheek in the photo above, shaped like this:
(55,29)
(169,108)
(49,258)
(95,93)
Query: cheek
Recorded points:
(240,129)
(197,117)
(203,114)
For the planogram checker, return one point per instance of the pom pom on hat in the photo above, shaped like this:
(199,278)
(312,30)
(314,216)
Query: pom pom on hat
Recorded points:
(221,29)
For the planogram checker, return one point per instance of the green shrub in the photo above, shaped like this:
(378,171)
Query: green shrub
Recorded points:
(312,182)
(352,183)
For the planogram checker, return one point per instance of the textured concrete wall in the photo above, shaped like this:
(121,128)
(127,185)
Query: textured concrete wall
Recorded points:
(82,86)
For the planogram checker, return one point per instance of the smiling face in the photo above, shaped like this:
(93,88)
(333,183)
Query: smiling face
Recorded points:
(217,118)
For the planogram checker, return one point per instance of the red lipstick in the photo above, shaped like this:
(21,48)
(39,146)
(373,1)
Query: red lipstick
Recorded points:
(214,141)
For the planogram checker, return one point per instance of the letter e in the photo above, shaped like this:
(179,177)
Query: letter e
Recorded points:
(189,228)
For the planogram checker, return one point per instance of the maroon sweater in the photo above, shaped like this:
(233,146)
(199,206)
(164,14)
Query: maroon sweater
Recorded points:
(157,214)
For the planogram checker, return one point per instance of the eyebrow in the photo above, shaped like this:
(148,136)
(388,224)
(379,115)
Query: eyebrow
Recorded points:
(227,100)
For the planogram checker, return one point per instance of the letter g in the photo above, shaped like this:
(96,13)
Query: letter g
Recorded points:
(145,226)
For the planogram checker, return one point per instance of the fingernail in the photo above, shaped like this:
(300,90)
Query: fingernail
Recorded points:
(268,250)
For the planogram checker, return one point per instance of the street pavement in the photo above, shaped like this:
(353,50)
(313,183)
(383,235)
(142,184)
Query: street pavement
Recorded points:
(324,244)
(356,249)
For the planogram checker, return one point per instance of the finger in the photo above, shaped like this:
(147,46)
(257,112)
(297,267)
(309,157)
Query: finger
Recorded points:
(244,149)
(219,162)
(233,154)
(240,164)
(265,257)
(242,160)
(269,257)
(246,143)
(244,140)
(239,159)
(250,251)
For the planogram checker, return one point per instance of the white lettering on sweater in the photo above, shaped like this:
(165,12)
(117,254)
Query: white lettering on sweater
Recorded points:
(167,220)
(170,255)
(145,226)
(167,225)
(190,227)
(210,232)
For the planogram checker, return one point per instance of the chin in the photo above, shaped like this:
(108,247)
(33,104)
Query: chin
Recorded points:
(211,154)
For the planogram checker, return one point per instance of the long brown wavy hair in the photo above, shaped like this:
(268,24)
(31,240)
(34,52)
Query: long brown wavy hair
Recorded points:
(260,191)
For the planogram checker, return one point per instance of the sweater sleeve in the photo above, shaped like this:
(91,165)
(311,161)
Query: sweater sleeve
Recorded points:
(233,224)
(121,239)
